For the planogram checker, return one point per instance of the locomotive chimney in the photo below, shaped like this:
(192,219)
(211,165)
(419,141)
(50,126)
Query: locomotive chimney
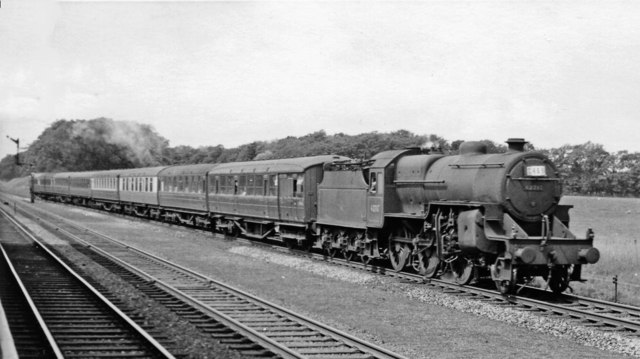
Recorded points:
(516,144)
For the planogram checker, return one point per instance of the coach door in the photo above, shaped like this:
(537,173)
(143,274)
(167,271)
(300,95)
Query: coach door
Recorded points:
(291,196)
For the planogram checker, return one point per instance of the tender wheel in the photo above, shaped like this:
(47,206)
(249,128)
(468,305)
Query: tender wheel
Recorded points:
(365,259)
(462,269)
(398,255)
(330,251)
(347,254)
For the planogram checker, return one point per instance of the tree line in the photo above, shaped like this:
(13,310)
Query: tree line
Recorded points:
(101,144)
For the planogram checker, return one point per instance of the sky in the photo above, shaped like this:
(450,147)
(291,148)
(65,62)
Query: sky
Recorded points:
(207,73)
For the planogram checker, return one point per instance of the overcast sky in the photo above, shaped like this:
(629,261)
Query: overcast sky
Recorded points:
(208,73)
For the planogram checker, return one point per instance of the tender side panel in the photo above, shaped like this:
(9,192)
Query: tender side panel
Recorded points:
(342,199)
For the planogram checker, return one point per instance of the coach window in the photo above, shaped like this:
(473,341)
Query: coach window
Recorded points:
(242,185)
(250,185)
(265,185)
(273,185)
(294,185)
(299,186)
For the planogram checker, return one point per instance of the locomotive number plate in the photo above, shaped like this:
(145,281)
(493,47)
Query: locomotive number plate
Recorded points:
(536,171)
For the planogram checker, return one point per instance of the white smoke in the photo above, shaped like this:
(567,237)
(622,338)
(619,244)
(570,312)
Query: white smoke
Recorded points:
(130,135)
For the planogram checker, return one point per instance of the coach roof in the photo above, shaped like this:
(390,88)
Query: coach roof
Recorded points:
(286,165)
(187,170)
(141,172)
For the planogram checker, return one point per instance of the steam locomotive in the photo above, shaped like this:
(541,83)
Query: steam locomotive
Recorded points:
(471,216)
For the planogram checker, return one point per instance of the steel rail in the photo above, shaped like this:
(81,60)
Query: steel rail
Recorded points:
(150,340)
(32,306)
(494,294)
(338,335)
(560,308)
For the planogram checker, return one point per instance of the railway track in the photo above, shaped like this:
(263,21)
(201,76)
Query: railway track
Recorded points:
(62,315)
(201,298)
(590,312)
(602,315)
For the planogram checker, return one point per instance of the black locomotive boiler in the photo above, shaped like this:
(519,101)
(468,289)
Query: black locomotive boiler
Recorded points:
(459,217)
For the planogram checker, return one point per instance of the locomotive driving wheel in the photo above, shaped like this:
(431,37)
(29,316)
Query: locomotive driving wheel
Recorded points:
(426,262)
(462,269)
(398,254)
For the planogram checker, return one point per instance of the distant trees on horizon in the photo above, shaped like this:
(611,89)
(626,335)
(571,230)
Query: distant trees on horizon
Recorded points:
(102,144)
